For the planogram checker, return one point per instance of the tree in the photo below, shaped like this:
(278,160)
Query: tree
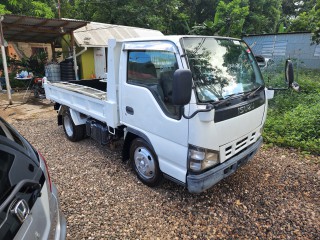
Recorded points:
(316,23)
(303,22)
(197,12)
(291,8)
(4,10)
(296,14)
(228,20)
(263,17)
(162,15)
(27,7)
(308,19)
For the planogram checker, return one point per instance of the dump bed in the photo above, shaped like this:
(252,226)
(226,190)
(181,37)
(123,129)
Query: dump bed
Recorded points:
(88,91)
(86,100)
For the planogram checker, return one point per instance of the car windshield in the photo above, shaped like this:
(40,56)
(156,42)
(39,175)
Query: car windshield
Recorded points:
(221,67)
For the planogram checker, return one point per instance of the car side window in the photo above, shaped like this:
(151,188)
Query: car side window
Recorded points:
(154,70)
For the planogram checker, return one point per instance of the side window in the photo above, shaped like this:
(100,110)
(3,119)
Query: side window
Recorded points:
(154,70)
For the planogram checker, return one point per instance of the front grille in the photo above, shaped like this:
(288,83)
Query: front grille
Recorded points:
(229,150)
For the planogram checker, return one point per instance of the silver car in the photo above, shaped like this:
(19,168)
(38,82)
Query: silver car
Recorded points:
(29,205)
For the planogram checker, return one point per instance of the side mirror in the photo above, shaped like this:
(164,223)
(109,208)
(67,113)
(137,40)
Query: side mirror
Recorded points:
(181,87)
(289,76)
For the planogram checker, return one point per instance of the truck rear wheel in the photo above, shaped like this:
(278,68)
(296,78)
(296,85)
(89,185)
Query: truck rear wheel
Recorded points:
(144,163)
(73,132)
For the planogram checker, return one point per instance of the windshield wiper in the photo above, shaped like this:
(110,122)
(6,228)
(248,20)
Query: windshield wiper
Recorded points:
(227,99)
(252,93)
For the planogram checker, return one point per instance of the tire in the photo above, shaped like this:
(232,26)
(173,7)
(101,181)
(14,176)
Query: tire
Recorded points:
(145,163)
(73,132)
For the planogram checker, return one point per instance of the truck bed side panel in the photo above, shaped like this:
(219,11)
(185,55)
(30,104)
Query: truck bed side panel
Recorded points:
(89,101)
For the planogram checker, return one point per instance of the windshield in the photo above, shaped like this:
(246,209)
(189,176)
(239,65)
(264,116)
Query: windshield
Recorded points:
(221,67)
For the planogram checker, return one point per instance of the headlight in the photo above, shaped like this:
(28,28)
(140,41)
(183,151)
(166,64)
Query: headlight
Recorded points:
(200,158)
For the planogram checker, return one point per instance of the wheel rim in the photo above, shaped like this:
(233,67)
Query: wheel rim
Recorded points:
(144,162)
(68,125)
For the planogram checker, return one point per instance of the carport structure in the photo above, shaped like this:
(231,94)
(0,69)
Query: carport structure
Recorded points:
(17,28)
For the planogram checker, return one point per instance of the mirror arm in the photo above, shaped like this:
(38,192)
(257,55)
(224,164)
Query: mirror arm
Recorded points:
(295,86)
(209,107)
(278,89)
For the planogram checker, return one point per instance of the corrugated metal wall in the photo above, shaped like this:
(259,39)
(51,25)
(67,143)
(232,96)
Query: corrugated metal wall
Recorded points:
(297,46)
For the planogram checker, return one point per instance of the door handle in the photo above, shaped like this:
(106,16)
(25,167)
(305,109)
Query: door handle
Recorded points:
(129,110)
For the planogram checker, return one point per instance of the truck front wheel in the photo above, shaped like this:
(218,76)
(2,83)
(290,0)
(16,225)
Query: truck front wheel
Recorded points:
(144,163)
(73,132)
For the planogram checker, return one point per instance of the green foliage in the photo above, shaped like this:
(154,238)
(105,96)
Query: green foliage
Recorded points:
(303,22)
(210,17)
(11,62)
(161,15)
(264,16)
(281,28)
(36,63)
(316,22)
(40,8)
(3,9)
(228,21)
(306,17)
(294,118)
(232,17)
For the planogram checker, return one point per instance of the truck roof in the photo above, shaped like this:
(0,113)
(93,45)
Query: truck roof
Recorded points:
(173,38)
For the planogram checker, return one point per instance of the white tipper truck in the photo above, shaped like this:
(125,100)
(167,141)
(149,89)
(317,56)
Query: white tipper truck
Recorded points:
(188,108)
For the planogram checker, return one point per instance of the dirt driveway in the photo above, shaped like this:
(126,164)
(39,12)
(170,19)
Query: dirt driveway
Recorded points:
(275,196)
(25,106)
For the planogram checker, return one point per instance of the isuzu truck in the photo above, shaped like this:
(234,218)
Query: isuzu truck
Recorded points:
(187,108)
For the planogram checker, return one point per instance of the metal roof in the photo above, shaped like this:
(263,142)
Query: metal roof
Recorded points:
(97,34)
(19,28)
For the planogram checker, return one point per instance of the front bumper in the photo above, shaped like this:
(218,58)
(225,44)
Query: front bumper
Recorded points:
(201,182)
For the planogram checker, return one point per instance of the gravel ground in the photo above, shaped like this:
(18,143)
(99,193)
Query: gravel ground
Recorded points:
(275,196)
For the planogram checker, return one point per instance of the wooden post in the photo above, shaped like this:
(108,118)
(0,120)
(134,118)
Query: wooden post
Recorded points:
(53,50)
(4,61)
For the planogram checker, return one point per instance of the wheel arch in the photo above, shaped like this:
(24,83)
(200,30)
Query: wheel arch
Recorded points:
(62,109)
(130,136)
(77,117)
